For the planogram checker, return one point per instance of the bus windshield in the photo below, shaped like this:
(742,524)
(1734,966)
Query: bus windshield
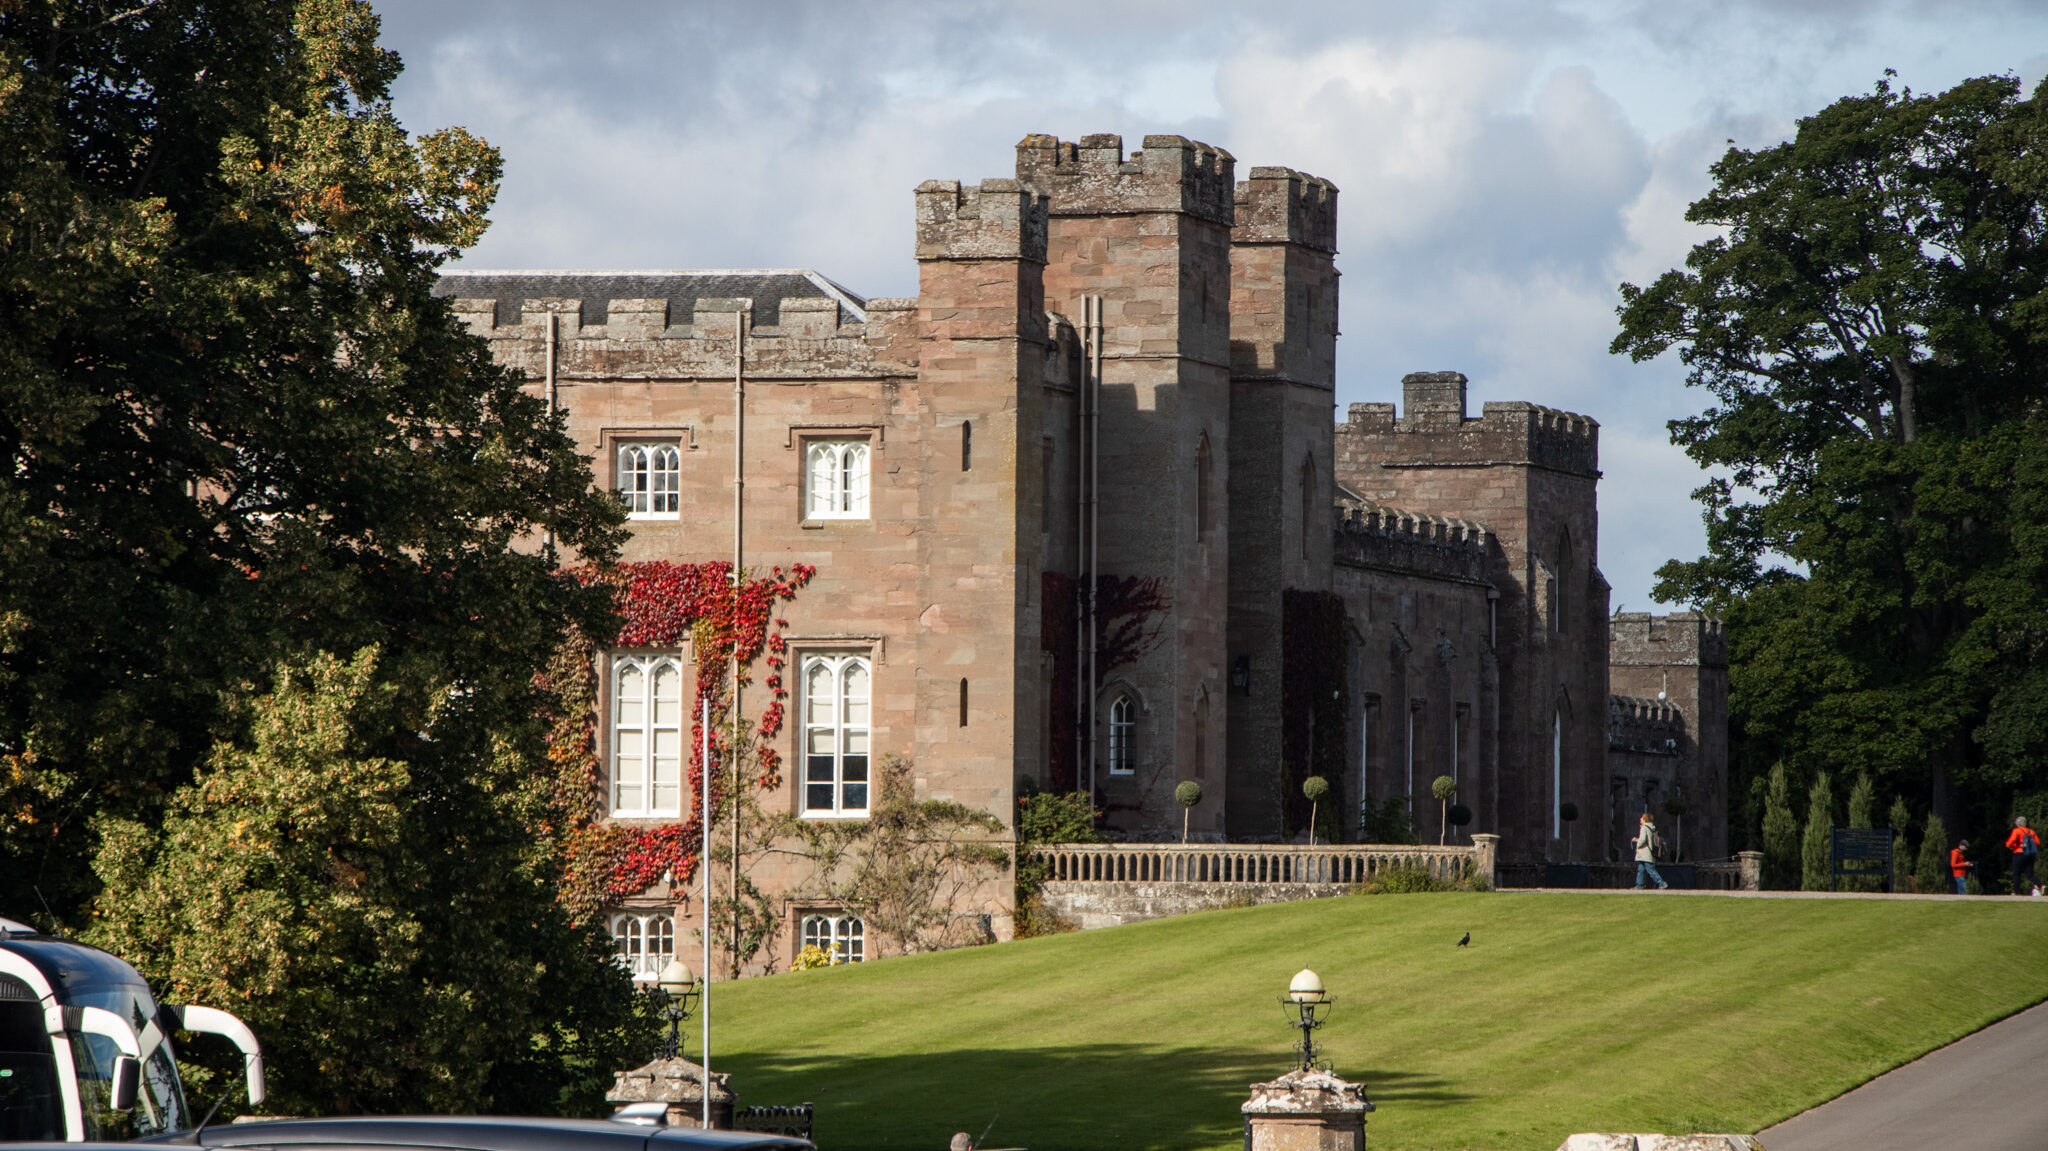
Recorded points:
(160,1102)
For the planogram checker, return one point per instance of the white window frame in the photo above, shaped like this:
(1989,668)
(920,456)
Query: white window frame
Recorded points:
(842,937)
(1123,730)
(650,480)
(641,729)
(643,944)
(837,734)
(836,483)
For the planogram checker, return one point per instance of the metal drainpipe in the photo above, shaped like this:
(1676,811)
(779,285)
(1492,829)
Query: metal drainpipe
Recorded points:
(550,538)
(1094,517)
(739,503)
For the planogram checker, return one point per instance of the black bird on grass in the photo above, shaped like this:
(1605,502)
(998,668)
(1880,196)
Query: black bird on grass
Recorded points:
(1466,940)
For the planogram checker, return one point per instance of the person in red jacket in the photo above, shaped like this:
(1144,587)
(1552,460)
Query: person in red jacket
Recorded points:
(2024,845)
(1959,864)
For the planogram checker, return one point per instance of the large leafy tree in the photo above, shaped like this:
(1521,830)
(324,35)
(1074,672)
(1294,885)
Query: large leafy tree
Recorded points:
(1870,322)
(239,436)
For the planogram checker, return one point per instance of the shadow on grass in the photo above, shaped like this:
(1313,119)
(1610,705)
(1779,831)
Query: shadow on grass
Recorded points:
(1047,1099)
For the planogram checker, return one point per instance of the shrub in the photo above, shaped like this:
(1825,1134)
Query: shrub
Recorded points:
(1932,872)
(1415,880)
(1047,817)
(1820,821)
(1781,835)
(1388,822)
(1902,856)
(811,958)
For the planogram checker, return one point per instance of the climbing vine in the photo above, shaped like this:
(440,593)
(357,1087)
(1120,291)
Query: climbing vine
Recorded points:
(659,603)
(1315,637)
(1129,614)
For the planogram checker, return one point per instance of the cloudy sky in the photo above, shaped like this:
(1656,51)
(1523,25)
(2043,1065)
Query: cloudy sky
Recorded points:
(1503,165)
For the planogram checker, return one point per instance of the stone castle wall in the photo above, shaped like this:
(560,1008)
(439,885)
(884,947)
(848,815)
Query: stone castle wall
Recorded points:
(1462,547)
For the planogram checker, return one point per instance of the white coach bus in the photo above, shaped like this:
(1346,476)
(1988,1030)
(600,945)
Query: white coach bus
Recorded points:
(85,1049)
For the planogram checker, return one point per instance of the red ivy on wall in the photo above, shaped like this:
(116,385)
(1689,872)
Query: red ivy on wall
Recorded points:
(659,603)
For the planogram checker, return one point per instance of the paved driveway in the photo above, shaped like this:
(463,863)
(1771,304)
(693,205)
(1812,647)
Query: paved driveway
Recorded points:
(1984,1092)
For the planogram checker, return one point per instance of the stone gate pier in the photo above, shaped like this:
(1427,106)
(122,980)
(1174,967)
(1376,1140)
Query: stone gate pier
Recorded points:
(1306,1110)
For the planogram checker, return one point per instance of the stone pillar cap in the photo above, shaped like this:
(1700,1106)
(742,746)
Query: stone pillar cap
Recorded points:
(667,1081)
(1306,1092)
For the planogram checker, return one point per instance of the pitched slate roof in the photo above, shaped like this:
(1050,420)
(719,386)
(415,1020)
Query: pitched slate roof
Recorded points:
(682,289)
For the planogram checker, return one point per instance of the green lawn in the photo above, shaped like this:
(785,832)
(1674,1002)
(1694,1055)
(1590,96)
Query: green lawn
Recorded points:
(1568,1013)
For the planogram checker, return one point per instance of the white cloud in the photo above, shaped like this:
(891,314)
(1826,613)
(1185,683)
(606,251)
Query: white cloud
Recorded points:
(1503,163)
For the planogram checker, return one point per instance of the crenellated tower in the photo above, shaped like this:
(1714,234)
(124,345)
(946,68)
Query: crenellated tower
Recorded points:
(1283,347)
(982,331)
(1528,473)
(1138,261)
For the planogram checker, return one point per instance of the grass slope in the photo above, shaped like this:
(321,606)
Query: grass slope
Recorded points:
(1568,1013)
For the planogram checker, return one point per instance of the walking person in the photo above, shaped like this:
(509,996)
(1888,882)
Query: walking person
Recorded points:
(1959,865)
(1646,853)
(2024,845)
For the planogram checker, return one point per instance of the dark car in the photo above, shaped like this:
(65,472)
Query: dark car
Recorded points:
(472,1133)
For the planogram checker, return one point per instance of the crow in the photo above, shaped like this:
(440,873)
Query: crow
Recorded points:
(1466,940)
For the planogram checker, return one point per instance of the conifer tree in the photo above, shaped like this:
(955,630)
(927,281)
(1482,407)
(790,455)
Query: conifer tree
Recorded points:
(1932,873)
(1781,834)
(1902,855)
(1820,822)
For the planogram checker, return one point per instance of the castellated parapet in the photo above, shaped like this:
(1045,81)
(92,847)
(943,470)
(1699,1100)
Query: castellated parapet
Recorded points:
(600,331)
(1283,206)
(999,220)
(1092,177)
(1436,430)
(1644,726)
(1681,639)
(1393,540)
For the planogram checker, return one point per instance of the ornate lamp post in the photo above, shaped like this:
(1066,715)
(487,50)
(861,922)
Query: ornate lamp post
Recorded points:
(678,987)
(1307,1006)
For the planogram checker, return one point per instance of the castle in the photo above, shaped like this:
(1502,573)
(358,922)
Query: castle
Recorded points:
(1083,517)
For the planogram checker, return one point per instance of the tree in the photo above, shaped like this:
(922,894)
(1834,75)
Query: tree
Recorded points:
(1313,789)
(244,441)
(1781,835)
(1675,806)
(903,869)
(1187,793)
(1443,787)
(1902,856)
(302,882)
(1932,874)
(1817,850)
(1870,324)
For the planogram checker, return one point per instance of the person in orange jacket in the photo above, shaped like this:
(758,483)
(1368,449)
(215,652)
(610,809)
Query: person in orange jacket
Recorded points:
(2024,845)
(1959,864)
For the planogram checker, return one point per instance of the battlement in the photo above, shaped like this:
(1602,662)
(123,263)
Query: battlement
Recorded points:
(1281,205)
(1091,177)
(1372,535)
(998,220)
(1640,639)
(638,325)
(1437,431)
(1644,726)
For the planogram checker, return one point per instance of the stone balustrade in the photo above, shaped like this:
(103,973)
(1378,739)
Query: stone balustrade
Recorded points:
(1254,863)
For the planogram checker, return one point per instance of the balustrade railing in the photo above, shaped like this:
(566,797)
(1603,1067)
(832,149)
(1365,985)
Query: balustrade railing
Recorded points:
(1246,863)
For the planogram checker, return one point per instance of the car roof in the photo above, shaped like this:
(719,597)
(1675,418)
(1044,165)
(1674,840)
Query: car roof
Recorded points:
(480,1133)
